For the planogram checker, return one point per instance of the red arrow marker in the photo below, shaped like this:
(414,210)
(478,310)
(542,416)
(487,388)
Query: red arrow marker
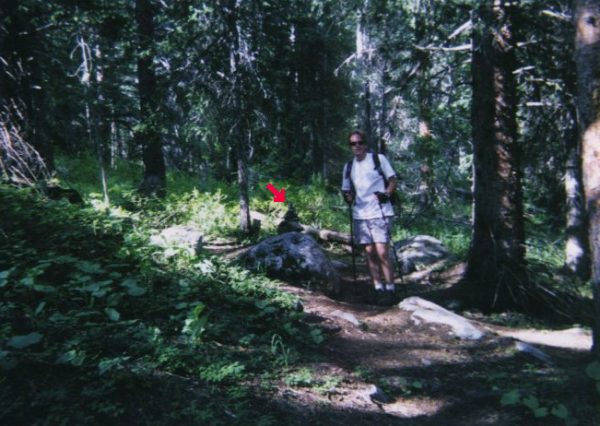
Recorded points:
(279,196)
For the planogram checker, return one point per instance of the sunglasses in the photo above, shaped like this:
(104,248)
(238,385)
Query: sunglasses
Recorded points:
(354,143)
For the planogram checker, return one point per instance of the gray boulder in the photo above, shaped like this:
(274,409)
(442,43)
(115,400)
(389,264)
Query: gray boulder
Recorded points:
(419,251)
(292,256)
(351,318)
(178,236)
(426,311)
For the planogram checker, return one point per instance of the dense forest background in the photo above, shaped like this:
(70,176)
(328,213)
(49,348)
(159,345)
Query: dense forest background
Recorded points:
(277,85)
(187,108)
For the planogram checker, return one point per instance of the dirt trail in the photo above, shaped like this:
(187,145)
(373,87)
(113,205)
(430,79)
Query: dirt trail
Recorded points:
(426,374)
(377,366)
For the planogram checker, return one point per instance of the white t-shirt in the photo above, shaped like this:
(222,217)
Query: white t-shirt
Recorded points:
(367,180)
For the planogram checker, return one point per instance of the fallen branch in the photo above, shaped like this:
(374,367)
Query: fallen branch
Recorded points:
(20,163)
(325,234)
(318,234)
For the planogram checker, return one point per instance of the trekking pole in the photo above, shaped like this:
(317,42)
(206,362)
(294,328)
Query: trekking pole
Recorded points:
(389,235)
(352,242)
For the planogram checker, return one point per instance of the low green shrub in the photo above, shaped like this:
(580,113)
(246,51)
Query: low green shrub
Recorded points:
(92,315)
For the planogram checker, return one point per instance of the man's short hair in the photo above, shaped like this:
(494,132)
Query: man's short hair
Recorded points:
(359,133)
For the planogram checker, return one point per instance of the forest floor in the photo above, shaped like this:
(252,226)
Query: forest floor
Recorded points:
(423,374)
(80,345)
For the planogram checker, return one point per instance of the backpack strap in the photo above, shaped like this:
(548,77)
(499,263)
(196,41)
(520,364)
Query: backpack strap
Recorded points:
(348,171)
(393,196)
(378,168)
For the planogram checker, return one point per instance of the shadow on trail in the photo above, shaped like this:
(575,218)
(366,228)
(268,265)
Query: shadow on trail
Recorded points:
(462,384)
(555,307)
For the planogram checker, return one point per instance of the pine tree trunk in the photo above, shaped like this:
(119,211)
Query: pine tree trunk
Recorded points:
(318,129)
(363,55)
(587,60)
(317,149)
(384,132)
(324,154)
(241,137)
(367,124)
(242,172)
(496,273)
(96,112)
(426,142)
(148,136)
(577,259)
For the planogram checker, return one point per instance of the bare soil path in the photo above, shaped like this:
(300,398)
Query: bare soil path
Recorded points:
(378,367)
(422,374)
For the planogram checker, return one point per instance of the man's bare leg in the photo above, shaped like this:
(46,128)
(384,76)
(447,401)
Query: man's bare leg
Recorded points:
(373,264)
(383,257)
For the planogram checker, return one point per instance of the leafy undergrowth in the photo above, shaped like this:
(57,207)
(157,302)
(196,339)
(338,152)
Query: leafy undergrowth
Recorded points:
(98,326)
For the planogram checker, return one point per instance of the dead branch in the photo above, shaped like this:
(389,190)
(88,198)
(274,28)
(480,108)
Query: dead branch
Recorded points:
(20,163)
(431,48)
(560,16)
(318,234)
(326,234)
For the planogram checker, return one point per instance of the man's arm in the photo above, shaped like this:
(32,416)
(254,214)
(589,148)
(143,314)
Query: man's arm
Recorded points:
(347,187)
(391,187)
(348,197)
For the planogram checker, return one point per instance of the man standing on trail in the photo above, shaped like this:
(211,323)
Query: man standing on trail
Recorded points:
(368,184)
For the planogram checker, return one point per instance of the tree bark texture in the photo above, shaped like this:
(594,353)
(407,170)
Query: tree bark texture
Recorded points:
(242,172)
(363,55)
(577,259)
(154,182)
(425,142)
(385,130)
(587,59)
(240,133)
(496,271)
(320,124)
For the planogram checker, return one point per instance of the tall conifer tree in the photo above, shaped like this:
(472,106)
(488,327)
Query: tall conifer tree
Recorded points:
(496,265)
(587,58)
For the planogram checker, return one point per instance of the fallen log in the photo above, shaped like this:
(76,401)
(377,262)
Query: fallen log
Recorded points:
(290,225)
(326,234)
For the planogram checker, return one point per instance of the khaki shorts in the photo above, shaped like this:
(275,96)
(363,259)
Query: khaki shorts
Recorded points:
(369,231)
